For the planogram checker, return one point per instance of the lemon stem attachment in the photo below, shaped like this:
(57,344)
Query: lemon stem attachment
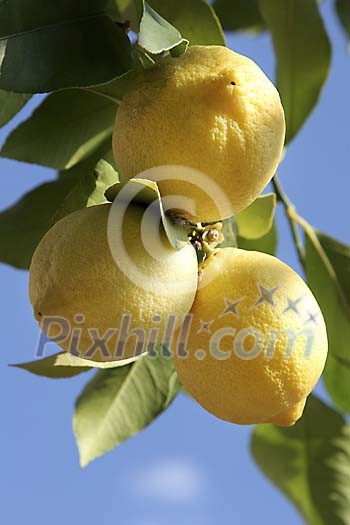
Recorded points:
(206,238)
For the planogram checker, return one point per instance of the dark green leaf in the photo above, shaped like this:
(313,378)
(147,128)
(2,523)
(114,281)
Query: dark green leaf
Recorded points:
(24,224)
(109,157)
(236,15)
(116,89)
(338,254)
(156,34)
(343,12)
(256,221)
(195,19)
(303,56)
(18,16)
(266,244)
(64,365)
(309,462)
(67,127)
(33,58)
(120,402)
(328,270)
(10,105)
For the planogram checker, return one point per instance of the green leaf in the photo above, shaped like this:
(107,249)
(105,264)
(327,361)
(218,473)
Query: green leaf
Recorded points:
(52,368)
(327,269)
(64,365)
(156,34)
(338,254)
(89,190)
(109,157)
(105,176)
(303,56)
(229,231)
(10,105)
(236,15)
(146,192)
(336,378)
(66,128)
(256,220)
(116,89)
(120,402)
(309,462)
(266,244)
(24,224)
(33,59)
(128,12)
(18,16)
(195,19)
(343,12)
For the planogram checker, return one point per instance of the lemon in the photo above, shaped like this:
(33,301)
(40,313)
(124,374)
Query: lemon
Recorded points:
(211,110)
(74,277)
(257,343)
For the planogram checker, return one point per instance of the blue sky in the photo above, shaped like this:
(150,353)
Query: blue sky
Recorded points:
(187,468)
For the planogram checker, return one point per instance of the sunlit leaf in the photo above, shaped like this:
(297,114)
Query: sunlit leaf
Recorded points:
(128,12)
(303,56)
(146,192)
(266,244)
(309,462)
(156,34)
(49,367)
(195,19)
(118,403)
(64,365)
(256,220)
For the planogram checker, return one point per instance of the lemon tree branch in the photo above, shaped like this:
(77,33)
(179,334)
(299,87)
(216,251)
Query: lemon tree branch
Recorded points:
(292,216)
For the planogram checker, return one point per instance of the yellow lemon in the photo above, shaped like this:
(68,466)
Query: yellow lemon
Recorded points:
(98,295)
(257,341)
(212,110)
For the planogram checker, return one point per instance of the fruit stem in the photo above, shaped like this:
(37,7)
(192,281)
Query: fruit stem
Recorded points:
(206,238)
(293,218)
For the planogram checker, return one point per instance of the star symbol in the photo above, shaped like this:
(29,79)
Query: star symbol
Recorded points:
(292,305)
(312,318)
(205,327)
(231,307)
(266,295)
